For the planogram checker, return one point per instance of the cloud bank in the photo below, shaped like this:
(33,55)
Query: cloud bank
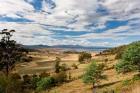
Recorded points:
(72,22)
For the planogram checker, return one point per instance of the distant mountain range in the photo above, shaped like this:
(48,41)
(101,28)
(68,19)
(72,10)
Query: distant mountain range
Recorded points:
(65,46)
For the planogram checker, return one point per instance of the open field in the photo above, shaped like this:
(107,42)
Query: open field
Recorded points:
(45,63)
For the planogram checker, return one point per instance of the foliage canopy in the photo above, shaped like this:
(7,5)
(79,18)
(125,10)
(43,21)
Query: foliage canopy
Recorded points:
(10,51)
(84,57)
(130,60)
(94,73)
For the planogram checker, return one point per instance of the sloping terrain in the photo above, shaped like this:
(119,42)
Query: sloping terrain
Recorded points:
(45,63)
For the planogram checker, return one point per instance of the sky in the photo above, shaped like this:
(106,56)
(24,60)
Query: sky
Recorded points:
(72,22)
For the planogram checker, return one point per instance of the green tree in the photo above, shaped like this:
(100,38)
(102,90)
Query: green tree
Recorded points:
(10,51)
(84,57)
(130,60)
(93,74)
(57,64)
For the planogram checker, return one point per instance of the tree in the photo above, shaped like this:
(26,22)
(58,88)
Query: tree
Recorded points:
(57,65)
(130,60)
(94,74)
(10,51)
(84,57)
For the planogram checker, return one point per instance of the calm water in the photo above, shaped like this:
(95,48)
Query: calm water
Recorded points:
(80,50)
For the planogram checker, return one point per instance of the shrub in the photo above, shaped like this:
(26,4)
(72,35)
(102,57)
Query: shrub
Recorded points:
(116,50)
(127,82)
(26,59)
(57,64)
(119,54)
(124,67)
(130,60)
(105,91)
(3,83)
(64,67)
(34,81)
(10,85)
(45,83)
(14,86)
(136,77)
(106,60)
(74,66)
(27,79)
(44,74)
(60,77)
(69,76)
(15,76)
(84,57)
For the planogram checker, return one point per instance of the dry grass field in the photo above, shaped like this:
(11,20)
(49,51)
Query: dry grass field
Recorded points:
(43,62)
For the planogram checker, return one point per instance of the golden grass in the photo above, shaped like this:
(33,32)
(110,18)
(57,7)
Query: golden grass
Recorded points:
(45,63)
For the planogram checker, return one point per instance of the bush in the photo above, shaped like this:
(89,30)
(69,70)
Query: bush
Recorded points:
(44,74)
(60,77)
(26,59)
(136,77)
(45,83)
(124,67)
(3,83)
(57,65)
(127,82)
(64,67)
(84,57)
(15,86)
(130,60)
(74,66)
(116,50)
(10,85)
(34,81)
(69,76)
(106,60)
(119,54)
(15,76)
(27,79)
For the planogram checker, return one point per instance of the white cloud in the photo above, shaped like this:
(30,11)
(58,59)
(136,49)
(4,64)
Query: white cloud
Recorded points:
(83,12)
(26,33)
(12,7)
(122,8)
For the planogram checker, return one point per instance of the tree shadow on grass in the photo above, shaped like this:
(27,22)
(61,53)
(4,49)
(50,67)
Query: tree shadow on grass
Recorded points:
(108,84)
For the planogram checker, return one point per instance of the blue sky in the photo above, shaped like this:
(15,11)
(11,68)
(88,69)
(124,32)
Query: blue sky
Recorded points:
(72,22)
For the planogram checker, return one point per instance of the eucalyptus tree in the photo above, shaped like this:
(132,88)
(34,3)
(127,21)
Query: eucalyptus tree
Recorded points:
(93,74)
(10,51)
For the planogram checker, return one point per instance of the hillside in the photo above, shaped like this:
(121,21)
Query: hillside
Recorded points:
(44,63)
(70,47)
(52,70)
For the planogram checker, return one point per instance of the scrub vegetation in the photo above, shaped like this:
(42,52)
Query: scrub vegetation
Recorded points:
(23,70)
